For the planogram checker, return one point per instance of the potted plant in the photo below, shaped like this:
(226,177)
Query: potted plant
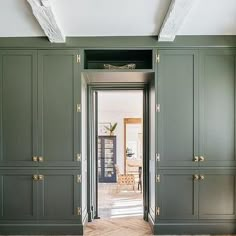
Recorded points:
(112,128)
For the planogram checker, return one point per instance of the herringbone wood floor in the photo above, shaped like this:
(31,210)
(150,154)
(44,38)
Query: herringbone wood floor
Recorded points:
(131,226)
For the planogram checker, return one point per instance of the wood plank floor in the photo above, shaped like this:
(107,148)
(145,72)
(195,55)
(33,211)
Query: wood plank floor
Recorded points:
(120,211)
(130,226)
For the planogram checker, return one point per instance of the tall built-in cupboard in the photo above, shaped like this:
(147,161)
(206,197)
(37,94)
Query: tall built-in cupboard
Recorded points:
(195,168)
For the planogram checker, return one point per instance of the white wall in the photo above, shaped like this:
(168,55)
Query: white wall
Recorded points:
(114,106)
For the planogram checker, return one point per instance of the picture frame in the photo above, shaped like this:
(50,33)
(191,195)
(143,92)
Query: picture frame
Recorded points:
(102,131)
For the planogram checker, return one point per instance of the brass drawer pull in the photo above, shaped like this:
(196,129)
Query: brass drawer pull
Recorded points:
(195,177)
(201,158)
(40,159)
(202,177)
(35,177)
(40,177)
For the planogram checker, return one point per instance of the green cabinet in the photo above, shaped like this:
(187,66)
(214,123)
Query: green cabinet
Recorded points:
(18,107)
(217,108)
(59,96)
(192,194)
(59,194)
(39,194)
(196,141)
(40,125)
(178,195)
(217,196)
(18,198)
(177,91)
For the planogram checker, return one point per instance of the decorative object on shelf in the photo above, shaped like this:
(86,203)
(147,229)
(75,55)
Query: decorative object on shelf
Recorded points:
(111,128)
(101,128)
(112,67)
(129,152)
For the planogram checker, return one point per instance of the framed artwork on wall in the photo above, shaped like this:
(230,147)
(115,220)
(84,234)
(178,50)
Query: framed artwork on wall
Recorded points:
(101,128)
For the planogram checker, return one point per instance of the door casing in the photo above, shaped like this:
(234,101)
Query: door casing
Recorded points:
(92,133)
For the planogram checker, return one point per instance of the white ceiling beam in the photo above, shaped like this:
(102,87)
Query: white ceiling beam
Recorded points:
(174,18)
(44,14)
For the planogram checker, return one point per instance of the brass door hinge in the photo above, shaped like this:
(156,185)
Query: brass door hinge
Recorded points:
(78,157)
(78,58)
(157,58)
(79,211)
(157,157)
(158,178)
(78,108)
(158,107)
(157,211)
(78,178)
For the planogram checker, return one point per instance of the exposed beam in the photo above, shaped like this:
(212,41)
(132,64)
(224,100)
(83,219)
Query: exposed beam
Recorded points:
(174,18)
(43,12)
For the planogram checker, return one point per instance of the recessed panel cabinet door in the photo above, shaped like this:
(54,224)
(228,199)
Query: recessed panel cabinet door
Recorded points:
(58,99)
(217,108)
(18,198)
(178,117)
(18,107)
(217,194)
(58,194)
(179,193)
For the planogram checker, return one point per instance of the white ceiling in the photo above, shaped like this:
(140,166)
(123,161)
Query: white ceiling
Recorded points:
(120,101)
(118,18)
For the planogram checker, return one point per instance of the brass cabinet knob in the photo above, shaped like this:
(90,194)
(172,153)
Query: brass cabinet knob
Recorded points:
(201,177)
(195,177)
(196,158)
(40,159)
(35,159)
(35,177)
(201,158)
(40,177)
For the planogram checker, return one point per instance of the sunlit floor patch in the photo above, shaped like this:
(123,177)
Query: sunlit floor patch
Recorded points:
(113,204)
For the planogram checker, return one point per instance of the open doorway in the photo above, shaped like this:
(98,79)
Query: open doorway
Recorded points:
(119,153)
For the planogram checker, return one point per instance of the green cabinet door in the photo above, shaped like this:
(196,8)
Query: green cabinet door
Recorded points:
(58,90)
(178,195)
(18,107)
(217,194)
(217,108)
(177,90)
(59,195)
(18,198)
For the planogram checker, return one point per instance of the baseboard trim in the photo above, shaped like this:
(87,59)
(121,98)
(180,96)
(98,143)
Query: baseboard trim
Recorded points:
(194,228)
(151,222)
(39,229)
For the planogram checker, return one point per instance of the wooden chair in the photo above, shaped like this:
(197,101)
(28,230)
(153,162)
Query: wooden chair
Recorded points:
(124,180)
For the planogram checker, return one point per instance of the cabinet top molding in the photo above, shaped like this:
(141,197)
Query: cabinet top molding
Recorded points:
(174,18)
(45,16)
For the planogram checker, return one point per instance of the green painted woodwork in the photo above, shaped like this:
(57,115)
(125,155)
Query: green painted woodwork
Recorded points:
(179,195)
(18,200)
(217,194)
(120,42)
(18,107)
(177,95)
(58,91)
(152,147)
(39,91)
(58,194)
(217,108)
